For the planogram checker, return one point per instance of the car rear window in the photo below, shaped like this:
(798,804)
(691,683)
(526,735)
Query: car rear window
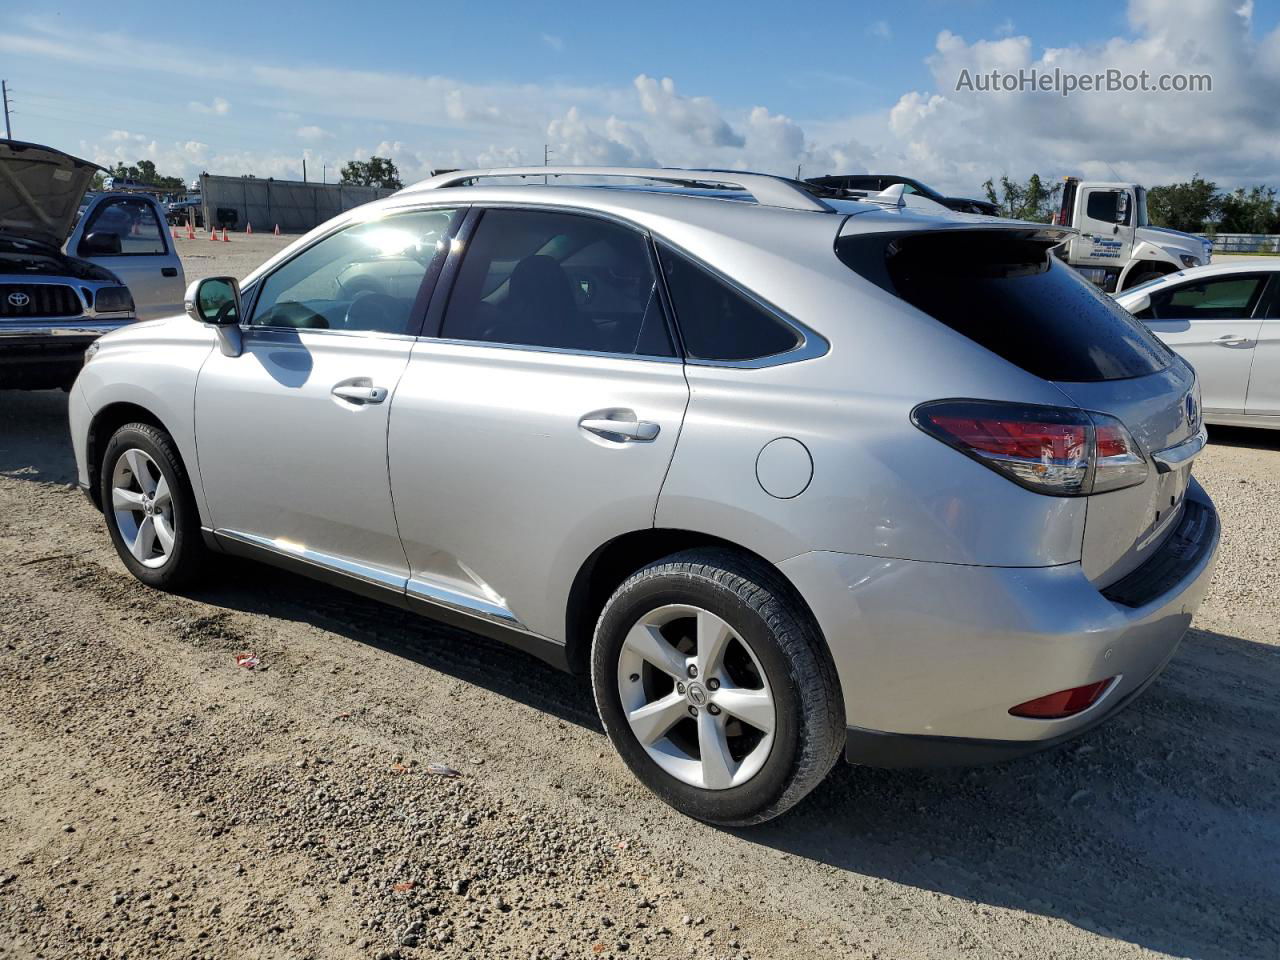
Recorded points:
(1006,291)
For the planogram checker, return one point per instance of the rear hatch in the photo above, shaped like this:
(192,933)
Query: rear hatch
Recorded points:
(1002,288)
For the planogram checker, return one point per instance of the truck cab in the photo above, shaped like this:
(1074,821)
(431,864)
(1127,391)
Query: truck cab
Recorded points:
(1115,245)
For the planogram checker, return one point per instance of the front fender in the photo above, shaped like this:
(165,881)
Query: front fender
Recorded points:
(157,373)
(1146,256)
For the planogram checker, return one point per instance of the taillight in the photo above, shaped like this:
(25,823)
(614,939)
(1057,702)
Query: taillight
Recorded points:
(1064,703)
(1052,450)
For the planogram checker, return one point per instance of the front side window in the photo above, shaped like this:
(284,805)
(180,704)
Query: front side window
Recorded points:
(718,322)
(124,227)
(364,278)
(559,281)
(1228,298)
(1104,205)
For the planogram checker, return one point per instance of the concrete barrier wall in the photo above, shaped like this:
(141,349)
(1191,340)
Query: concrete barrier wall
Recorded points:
(294,205)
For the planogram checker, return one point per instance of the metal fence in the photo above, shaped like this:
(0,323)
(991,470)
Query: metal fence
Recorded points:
(294,206)
(1244,242)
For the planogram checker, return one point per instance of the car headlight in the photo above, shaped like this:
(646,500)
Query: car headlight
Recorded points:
(1188,260)
(113,300)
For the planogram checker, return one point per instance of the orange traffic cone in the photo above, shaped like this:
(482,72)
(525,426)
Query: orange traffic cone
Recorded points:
(191,231)
(213,233)
(225,238)
(175,232)
(248,228)
(277,233)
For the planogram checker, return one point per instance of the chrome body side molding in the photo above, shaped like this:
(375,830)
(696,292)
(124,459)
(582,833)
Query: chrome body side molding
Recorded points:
(439,603)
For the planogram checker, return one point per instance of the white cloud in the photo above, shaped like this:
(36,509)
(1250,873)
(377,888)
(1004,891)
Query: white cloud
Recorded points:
(314,133)
(880,29)
(695,117)
(219,106)
(554,42)
(574,140)
(1005,27)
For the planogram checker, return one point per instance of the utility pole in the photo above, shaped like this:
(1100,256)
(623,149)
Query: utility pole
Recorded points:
(304,169)
(4,94)
(546,158)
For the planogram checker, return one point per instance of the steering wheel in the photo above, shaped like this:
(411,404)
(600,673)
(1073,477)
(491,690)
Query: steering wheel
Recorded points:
(372,311)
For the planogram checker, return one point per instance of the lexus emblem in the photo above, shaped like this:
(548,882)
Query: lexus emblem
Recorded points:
(19,299)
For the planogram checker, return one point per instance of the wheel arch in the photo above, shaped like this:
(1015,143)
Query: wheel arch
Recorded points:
(1145,265)
(611,563)
(101,428)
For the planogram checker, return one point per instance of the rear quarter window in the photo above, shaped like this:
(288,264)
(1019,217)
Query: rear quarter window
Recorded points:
(1006,291)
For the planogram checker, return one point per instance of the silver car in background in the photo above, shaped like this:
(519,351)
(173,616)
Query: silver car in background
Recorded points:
(786,476)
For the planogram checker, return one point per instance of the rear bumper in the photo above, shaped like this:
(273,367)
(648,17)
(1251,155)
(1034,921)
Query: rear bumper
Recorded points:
(931,656)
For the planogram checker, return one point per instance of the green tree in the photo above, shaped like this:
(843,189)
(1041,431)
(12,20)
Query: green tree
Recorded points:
(1030,201)
(144,171)
(374,172)
(1254,211)
(1184,206)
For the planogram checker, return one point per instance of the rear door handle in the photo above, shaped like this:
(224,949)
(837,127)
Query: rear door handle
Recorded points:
(359,394)
(168,271)
(1231,340)
(623,431)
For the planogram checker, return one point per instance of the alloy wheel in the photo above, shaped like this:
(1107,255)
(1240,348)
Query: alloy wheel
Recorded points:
(143,507)
(696,697)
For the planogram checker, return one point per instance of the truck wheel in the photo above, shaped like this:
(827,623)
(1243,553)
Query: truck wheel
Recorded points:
(150,512)
(715,687)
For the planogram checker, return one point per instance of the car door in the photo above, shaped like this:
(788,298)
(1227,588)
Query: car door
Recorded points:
(1263,398)
(1212,323)
(291,435)
(539,422)
(1106,228)
(127,235)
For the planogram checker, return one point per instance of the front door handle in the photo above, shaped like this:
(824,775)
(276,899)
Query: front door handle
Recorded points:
(1231,340)
(359,394)
(622,431)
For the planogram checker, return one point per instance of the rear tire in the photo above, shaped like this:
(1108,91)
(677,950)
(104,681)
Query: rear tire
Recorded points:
(688,654)
(150,511)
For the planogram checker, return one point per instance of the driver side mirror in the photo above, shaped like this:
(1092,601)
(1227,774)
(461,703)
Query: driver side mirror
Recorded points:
(214,300)
(99,244)
(1141,303)
(1122,207)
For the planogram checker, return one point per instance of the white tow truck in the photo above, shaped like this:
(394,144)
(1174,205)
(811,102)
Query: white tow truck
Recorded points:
(1115,245)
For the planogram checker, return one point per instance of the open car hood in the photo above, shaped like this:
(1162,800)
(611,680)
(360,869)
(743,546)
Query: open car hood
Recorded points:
(40,191)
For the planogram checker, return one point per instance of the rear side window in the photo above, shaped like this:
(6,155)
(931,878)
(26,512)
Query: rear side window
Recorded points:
(718,322)
(536,278)
(1006,291)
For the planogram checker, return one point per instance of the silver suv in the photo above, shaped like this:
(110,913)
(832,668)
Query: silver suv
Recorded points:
(785,476)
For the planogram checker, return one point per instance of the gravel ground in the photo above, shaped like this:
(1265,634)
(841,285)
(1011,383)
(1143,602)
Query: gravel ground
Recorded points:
(158,801)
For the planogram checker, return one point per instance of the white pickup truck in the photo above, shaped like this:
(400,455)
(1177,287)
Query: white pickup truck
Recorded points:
(68,275)
(1115,246)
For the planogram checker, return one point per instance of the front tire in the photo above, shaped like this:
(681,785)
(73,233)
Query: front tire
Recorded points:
(715,687)
(150,512)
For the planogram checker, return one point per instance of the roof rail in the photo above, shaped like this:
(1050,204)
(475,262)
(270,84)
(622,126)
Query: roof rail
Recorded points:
(768,190)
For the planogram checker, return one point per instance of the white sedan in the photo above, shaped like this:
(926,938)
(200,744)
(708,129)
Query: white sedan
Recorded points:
(1225,320)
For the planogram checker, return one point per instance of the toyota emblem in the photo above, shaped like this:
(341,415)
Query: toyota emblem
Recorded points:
(19,299)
